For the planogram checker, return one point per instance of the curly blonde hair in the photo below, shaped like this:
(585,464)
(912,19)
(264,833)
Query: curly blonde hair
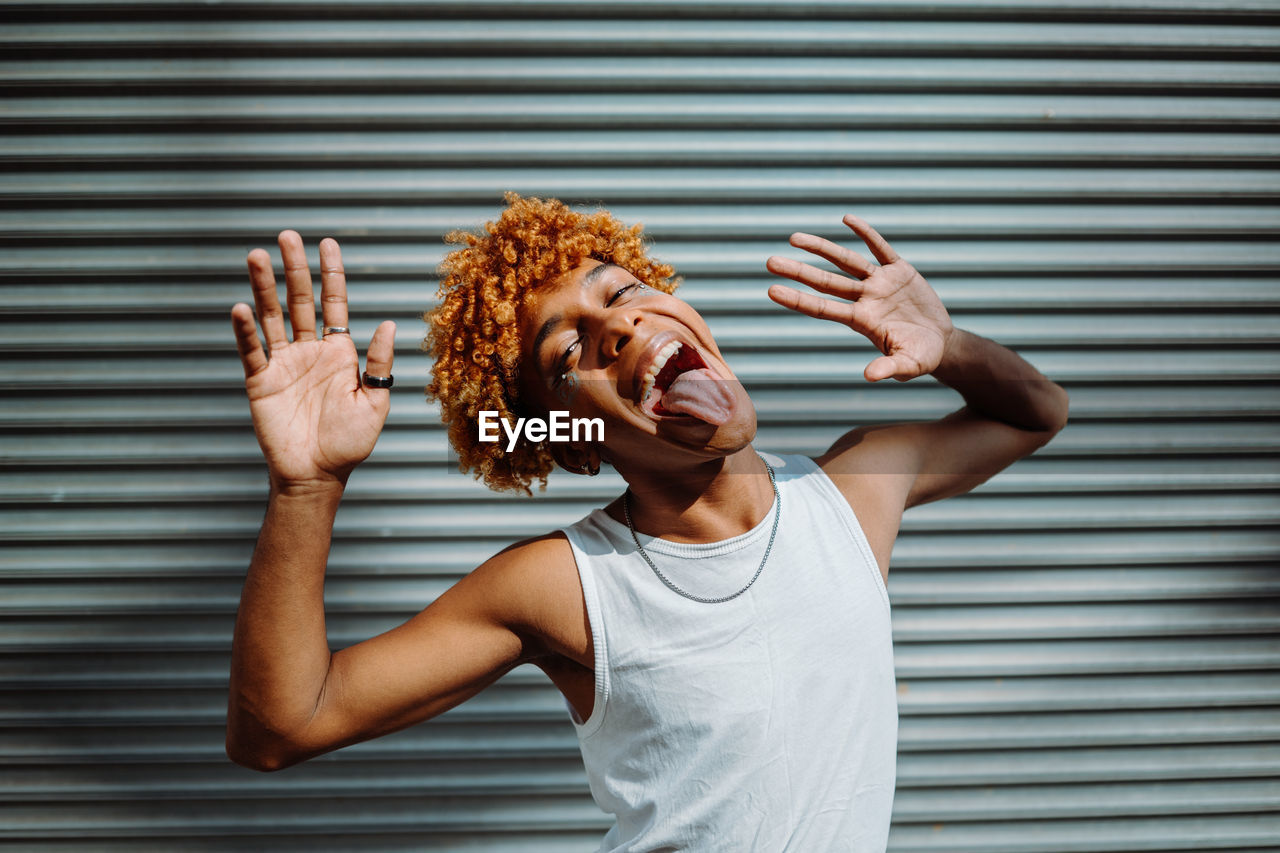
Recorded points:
(474,335)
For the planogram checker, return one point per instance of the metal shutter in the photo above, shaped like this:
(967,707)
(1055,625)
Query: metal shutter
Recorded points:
(1087,646)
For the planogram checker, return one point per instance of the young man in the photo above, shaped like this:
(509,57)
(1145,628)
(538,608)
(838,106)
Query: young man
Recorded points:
(720,631)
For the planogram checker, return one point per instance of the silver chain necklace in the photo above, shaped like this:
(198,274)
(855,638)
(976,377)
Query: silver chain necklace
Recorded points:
(777,513)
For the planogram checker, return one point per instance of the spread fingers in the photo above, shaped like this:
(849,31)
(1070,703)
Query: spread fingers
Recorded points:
(381,353)
(265,298)
(333,284)
(297,281)
(846,259)
(878,245)
(814,306)
(252,358)
(820,280)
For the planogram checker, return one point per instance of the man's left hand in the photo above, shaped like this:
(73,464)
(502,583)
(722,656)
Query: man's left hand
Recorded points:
(889,302)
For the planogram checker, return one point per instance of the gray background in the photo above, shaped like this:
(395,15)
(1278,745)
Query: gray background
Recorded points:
(1087,647)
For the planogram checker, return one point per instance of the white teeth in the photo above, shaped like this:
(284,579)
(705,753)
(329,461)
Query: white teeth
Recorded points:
(651,375)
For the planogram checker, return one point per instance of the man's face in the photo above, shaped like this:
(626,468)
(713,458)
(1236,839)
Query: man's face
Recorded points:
(600,344)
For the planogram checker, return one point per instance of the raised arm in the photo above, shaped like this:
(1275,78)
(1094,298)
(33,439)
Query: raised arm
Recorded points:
(1010,407)
(290,698)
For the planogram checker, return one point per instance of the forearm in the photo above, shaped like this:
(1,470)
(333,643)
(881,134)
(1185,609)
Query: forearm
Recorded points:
(998,383)
(280,655)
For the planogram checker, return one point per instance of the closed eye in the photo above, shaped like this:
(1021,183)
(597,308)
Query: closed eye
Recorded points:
(617,293)
(562,363)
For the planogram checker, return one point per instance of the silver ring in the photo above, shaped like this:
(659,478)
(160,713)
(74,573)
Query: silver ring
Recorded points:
(377,381)
(336,330)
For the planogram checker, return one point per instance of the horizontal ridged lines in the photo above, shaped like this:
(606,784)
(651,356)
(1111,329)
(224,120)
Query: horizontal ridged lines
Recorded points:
(1088,647)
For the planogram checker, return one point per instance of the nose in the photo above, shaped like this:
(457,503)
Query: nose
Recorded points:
(619,328)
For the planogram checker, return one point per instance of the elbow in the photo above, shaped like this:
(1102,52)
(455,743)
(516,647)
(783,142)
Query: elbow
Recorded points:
(256,747)
(271,732)
(255,756)
(254,761)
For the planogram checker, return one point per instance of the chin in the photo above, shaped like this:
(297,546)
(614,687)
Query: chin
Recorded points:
(737,434)
(714,440)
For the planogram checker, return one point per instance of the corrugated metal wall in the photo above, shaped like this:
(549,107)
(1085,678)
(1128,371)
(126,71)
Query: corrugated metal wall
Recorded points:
(1088,647)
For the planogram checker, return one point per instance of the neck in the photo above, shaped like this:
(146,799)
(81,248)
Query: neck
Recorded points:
(707,502)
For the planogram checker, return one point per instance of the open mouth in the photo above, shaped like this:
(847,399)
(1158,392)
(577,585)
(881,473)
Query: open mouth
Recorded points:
(679,382)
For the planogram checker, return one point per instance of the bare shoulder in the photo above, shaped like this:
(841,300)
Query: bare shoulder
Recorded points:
(880,450)
(873,467)
(532,587)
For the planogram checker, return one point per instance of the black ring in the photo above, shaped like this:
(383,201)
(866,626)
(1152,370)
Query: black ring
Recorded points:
(377,381)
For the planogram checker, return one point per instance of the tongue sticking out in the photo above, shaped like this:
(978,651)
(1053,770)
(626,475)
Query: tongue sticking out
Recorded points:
(699,393)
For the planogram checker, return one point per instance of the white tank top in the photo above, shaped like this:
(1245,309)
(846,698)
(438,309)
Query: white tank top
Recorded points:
(766,723)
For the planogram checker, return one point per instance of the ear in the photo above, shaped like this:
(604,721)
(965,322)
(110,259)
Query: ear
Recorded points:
(576,458)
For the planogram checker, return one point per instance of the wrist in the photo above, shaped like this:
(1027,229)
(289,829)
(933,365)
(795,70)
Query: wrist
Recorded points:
(953,345)
(321,489)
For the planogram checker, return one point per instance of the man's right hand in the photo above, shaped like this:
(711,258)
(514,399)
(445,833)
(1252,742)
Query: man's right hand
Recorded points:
(314,418)
(290,696)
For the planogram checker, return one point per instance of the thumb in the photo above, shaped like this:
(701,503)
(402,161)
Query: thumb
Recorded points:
(897,366)
(381,351)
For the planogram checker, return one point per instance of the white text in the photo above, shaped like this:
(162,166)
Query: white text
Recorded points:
(560,427)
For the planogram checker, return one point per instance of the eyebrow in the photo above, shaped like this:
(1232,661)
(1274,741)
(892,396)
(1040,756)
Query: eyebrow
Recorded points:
(556,319)
(594,273)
